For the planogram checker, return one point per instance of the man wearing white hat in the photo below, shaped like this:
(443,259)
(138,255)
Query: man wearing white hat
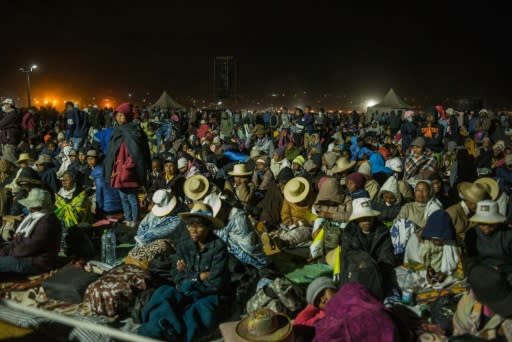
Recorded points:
(243,187)
(163,221)
(10,132)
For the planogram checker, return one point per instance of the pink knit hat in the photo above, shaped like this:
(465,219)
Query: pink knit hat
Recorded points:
(127,109)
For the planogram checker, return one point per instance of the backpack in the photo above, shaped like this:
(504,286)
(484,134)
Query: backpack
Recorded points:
(360,267)
(280,296)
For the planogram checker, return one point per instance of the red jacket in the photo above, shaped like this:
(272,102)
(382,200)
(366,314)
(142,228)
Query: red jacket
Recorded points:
(202,131)
(28,123)
(124,175)
(309,316)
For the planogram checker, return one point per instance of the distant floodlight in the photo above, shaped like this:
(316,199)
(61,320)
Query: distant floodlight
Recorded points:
(34,66)
(370,103)
(219,103)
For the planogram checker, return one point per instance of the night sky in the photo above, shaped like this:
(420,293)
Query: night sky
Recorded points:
(115,49)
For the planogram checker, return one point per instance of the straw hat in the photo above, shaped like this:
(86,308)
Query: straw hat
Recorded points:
(24,157)
(296,190)
(164,201)
(362,207)
(43,159)
(202,211)
(473,192)
(240,170)
(491,186)
(487,212)
(36,198)
(264,325)
(342,165)
(196,187)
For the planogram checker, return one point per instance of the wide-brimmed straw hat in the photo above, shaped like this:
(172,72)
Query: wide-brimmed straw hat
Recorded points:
(362,207)
(43,159)
(487,212)
(491,186)
(202,211)
(342,165)
(264,325)
(473,192)
(240,170)
(24,157)
(296,190)
(37,198)
(196,187)
(164,202)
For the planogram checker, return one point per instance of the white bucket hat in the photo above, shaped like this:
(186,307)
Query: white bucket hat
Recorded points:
(362,207)
(487,212)
(164,202)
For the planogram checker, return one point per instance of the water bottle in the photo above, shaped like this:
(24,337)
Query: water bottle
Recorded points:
(408,288)
(108,247)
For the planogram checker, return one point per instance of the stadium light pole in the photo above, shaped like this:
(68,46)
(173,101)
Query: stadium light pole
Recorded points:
(27,72)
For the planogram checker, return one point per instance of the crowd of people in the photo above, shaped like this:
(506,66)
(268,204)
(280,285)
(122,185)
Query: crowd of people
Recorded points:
(394,204)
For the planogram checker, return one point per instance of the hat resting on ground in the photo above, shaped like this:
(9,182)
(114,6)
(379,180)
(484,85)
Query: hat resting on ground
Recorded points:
(196,187)
(264,325)
(487,212)
(317,286)
(164,202)
(362,207)
(296,190)
(203,212)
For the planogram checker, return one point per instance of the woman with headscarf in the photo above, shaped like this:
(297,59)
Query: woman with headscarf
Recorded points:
(128,161)
(72,203)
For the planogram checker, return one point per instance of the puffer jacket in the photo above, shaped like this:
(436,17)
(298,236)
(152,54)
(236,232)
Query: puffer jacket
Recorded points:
(10,125)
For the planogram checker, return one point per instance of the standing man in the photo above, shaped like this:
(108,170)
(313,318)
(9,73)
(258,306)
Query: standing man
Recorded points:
(10,132)
(77,125)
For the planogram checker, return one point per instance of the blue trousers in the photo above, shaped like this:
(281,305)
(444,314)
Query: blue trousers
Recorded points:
(10,264)
(130,204)
(172,315)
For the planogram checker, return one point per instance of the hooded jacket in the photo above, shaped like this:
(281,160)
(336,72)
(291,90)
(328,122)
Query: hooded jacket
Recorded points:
(137,146)
(388,212)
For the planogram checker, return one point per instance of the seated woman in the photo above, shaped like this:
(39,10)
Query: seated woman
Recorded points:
(71,202)
(239,234)
(296,217)
(162,222)
(333,210)
(486,310)
(242,187)
(364,233)
(189,309)
(35,246)
(388,201)
(170,178)
(488,241)
(438,251)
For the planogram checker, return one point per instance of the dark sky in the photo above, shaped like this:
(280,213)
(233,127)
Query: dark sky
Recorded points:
(88,48)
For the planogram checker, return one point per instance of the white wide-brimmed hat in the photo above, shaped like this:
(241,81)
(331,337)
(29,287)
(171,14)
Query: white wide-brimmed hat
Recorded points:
(296,190)
(164,202)
(362,207)
(487,212)
(240,170)
(196,187)
(343,164)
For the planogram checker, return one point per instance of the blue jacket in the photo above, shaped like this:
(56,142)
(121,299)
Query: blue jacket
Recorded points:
(103,137)
(77,124)
(107,198)
(308,121)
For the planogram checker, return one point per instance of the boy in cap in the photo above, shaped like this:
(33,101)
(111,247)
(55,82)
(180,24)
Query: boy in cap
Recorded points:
(318,294)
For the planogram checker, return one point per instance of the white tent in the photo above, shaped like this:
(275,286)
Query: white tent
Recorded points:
(166,102)
(390,102)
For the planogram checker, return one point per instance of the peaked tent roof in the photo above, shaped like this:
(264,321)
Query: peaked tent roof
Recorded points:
(392,100)
(166,102)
